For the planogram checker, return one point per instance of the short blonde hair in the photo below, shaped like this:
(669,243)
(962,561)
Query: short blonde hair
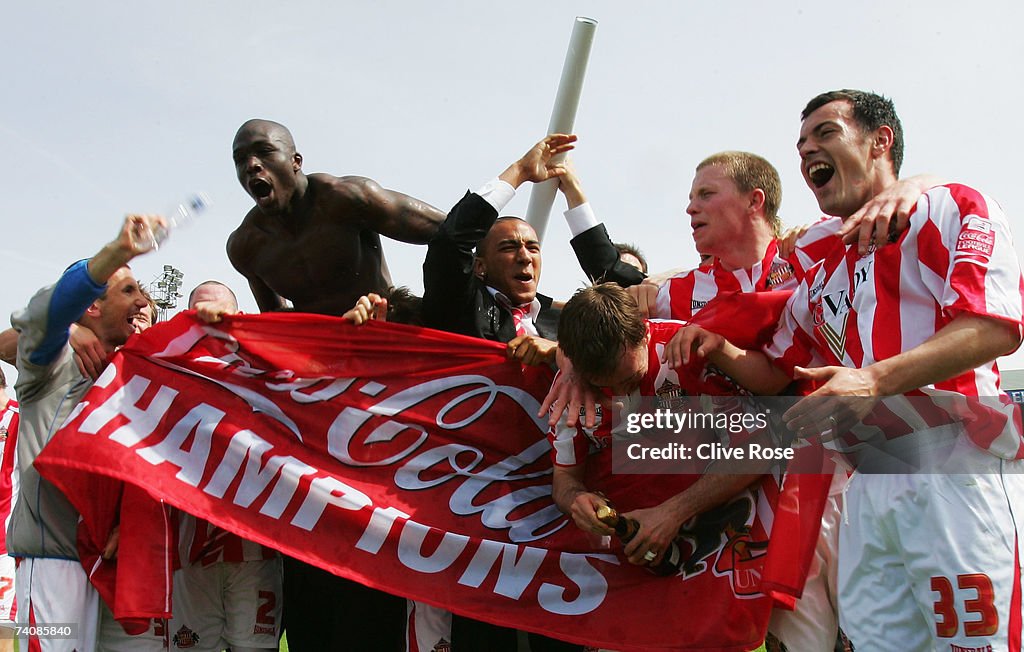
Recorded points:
(749,172)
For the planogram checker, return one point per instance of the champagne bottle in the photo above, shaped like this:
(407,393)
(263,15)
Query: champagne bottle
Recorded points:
(626,528)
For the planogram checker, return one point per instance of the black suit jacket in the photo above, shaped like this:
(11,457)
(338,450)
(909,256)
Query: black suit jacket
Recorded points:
(600,259)
(455,300)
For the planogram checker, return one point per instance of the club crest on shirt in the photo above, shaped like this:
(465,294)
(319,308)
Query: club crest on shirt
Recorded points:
(669,396)
(780,272)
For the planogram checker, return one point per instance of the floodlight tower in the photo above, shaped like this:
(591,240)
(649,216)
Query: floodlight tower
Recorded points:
(166,289)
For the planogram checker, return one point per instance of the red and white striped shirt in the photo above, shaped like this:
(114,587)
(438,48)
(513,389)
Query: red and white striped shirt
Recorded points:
(8,467)
(683,295)
(201,542)
(578,445)
(955,257)
(570,446)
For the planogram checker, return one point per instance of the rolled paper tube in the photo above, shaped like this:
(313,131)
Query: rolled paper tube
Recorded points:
(563,115)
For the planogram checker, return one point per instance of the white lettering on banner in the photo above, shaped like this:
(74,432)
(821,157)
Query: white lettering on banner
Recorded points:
(201,420)
(181,345)
(494,513)
(243,444)
(410,548)
(408,476)
(345,426)
(377,531)
(335,387)
(187,445)
(288,472)
(110,372)
(513,575)
(141,423)
(261,404)
(326,491)
(107,376)
(270,483)
(247,446)
(593,587)
(483,560)
(518,568)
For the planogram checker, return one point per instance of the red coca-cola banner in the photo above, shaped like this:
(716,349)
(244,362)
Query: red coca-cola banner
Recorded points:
(407,459)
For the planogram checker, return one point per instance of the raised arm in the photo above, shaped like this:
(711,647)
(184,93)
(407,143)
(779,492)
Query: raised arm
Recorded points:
(78,287)
(392,214)
(448,266)
(595,250)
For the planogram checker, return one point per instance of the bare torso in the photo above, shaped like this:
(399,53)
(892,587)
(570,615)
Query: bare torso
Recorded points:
(322,257)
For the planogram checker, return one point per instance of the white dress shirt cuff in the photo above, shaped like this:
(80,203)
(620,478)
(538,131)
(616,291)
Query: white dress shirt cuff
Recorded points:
(497,193)
(580,219)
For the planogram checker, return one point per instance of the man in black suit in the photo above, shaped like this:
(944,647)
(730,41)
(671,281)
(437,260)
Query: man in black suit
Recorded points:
(481,272)
(480,279)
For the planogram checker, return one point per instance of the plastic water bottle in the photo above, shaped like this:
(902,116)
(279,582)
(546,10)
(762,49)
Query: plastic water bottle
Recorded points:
(181,214)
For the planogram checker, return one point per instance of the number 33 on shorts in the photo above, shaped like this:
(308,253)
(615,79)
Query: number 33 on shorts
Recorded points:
(947,624)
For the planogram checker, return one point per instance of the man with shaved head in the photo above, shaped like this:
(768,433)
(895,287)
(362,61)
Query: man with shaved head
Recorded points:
(314,240)
(480,279)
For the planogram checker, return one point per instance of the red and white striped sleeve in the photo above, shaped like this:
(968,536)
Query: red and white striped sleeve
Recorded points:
(967,241)
(814,245)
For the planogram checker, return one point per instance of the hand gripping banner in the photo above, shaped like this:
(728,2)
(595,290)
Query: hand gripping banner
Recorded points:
(406,459)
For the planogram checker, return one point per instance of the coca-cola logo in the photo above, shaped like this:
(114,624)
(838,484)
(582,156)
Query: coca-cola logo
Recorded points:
(373,425)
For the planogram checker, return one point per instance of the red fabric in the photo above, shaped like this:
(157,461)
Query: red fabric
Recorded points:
(748,321)
(406,459)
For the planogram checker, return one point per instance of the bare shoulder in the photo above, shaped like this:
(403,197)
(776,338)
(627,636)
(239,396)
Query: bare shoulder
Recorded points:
(351,189)
(242,240)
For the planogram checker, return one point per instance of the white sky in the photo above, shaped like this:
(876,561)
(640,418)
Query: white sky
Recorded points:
(115,107)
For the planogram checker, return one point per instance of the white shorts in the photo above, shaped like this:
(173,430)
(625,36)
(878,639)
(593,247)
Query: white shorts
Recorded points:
(429,628)
(930,561)
(56,591)
(814,624)
(235,604)
(113,638)
(8,605)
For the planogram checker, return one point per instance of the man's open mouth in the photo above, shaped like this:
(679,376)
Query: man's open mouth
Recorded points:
(820,173)
(260,188)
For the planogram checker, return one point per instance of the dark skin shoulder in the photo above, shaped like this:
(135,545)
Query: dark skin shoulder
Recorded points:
(325,252)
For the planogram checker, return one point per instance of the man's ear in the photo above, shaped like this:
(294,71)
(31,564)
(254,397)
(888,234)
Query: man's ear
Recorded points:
(297,161)
(479,268)
(93,310)
(882,141)
(756,200)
